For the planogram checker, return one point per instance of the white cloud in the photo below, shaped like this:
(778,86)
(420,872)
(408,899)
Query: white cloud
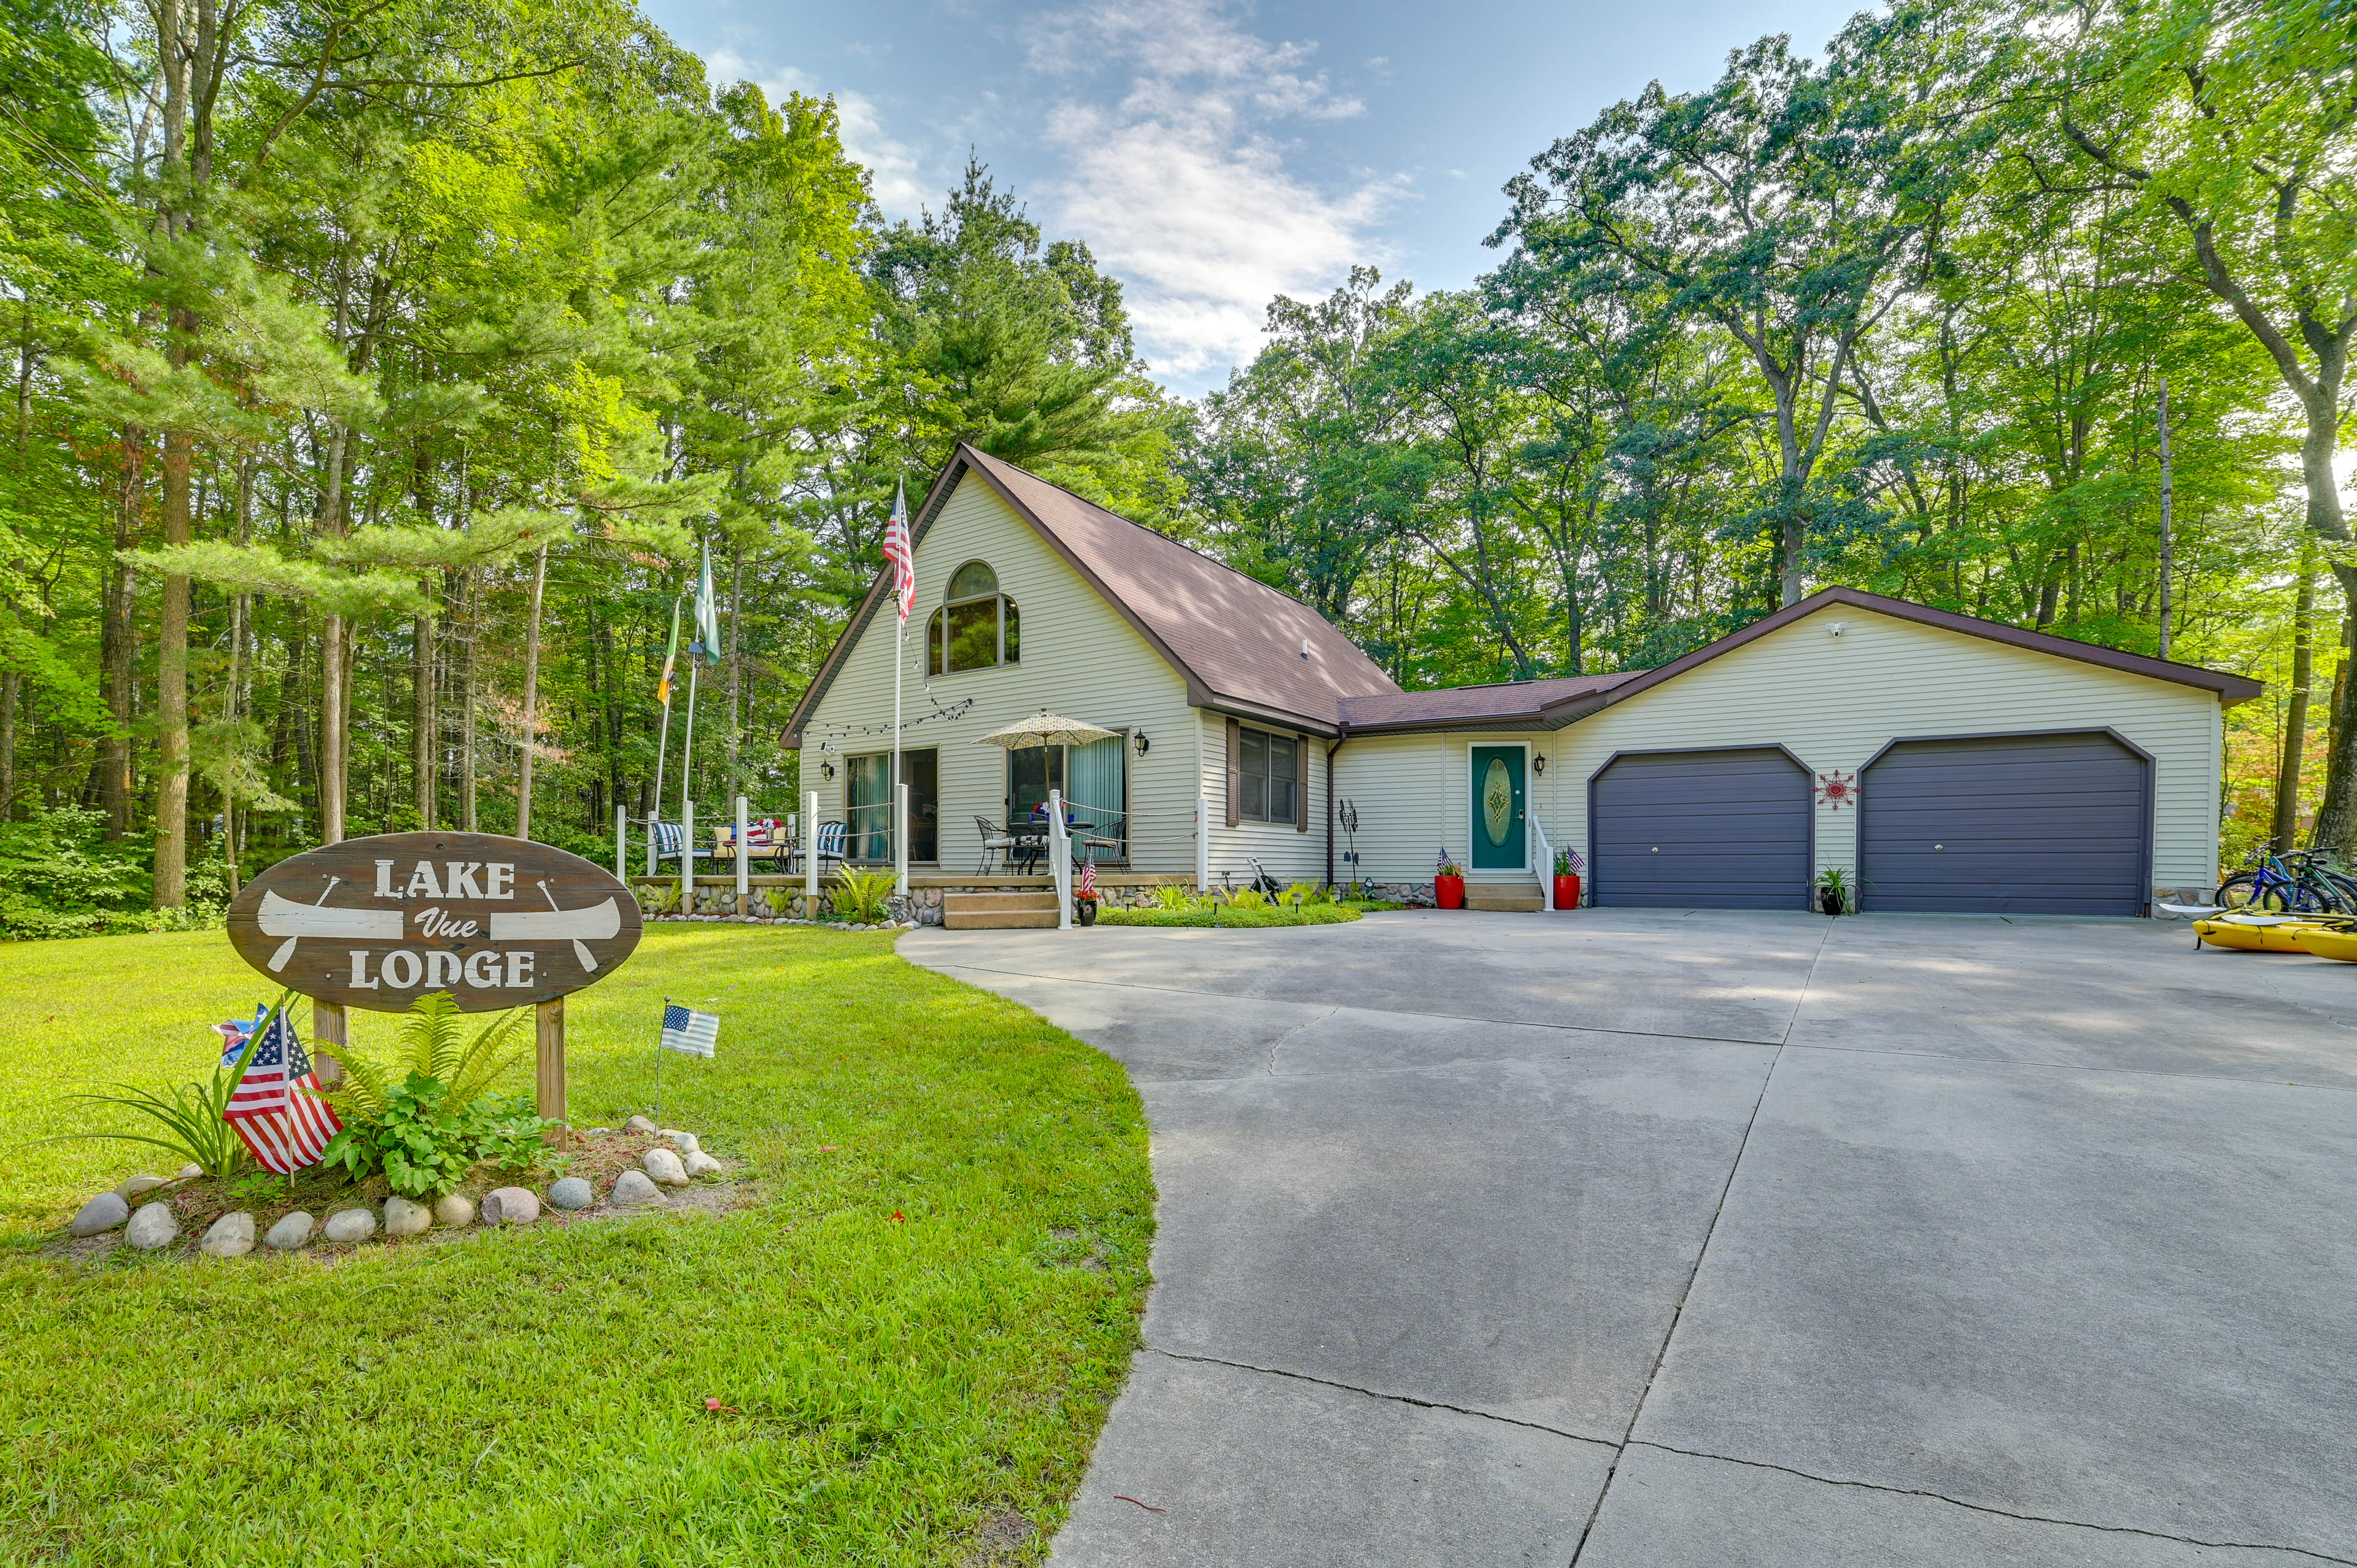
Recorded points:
(895,170)
(1179,184)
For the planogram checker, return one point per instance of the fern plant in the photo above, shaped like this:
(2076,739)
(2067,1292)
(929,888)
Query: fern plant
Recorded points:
(1171,896)
(1247,899)
(864,896)
(430,1045)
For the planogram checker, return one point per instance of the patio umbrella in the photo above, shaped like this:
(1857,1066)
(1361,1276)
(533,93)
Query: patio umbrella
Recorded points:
(1044,728)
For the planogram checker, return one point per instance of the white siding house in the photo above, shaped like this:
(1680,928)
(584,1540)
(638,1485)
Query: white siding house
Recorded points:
(1936,760)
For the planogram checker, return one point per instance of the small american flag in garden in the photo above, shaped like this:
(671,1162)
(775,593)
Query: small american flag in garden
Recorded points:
(689,1032)
(277,1110)
(1088,880)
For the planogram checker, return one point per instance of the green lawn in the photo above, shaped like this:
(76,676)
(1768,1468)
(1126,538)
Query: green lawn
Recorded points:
(537,1396)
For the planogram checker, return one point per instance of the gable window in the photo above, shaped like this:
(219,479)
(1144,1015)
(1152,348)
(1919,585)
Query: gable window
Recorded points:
(1268,773)
(976,626)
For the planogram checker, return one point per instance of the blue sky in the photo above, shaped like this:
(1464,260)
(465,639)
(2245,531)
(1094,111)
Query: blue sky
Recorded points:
(1213,154)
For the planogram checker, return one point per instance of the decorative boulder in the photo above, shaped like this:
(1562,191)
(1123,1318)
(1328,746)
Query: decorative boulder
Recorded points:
(665,1167)
(633,1188)
(572,1192)
(189,1170)
(685,1142)
(403,1217)
(510,1205)
(352,1224)
(698,1162)
(232,1236)
(290,1232)
(140,1183)
(638,1124)
(454,1210)
(152,1227)
(103,1212)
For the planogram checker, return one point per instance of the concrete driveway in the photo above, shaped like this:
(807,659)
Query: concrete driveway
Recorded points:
(1649,1239)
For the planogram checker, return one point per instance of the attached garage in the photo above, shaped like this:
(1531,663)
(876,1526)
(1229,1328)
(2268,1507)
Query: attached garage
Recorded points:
(2019,824)
(1713,830)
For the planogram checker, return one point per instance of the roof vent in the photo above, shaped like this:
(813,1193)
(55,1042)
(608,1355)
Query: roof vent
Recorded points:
(1305,648)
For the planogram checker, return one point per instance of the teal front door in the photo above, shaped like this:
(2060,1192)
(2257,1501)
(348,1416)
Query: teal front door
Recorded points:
(1501,839)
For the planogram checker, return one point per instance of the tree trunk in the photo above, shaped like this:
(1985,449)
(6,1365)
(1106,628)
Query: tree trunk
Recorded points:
(11,686)
(424,719)
(735,679)
(116,664)
(466,712)
(2336,815)
(530,738)
(2294,735)
(171,884)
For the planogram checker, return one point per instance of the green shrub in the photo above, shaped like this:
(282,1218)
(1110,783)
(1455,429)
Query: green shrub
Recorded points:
(1247,899)
(429,1047)
(59,877)
(864,897)
(425,1147)
(1171,896)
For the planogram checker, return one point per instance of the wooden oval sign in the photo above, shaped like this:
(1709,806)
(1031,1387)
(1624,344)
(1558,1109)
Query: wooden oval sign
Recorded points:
(377,922)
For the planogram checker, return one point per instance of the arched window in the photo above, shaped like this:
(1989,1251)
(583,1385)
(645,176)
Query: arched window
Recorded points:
(976,627)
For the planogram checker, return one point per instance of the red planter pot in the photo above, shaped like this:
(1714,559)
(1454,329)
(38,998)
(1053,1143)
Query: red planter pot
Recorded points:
(1448,892)
(1566,891)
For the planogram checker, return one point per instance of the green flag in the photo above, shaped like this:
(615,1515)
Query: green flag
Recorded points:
(707,614)
(670,657)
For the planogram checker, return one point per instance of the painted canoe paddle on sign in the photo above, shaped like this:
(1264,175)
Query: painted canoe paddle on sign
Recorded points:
(377,922)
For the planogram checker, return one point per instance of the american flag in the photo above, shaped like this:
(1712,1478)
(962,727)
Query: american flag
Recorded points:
(277,1108)
(689,1032)
(1088,880)
(902,552)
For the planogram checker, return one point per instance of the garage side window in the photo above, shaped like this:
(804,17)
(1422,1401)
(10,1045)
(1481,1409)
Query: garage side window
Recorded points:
(1269,764)
(976,627)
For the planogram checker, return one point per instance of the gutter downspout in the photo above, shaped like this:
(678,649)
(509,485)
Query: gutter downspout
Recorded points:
(1330,799)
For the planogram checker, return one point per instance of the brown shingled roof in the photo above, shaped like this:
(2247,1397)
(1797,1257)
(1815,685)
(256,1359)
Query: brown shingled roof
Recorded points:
(1239,642)
(1505,705)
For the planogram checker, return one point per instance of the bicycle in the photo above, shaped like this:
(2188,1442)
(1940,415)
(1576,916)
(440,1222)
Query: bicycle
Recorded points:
(2295,883)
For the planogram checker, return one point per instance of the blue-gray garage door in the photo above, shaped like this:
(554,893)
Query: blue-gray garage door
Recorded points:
(1708,830)
(2023,824)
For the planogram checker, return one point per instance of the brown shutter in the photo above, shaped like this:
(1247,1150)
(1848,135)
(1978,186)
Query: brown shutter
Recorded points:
(1236,773)
(1301,783)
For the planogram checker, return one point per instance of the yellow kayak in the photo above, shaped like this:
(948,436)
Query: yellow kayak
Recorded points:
(2278,934)
(2324,942)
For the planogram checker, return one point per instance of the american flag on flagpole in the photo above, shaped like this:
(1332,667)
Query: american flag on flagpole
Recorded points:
(277,1108)
(899,550)
(689,1032)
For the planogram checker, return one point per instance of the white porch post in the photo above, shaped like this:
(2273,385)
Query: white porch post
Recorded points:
(1203,844)
(809,856)
(901,839)
(1059,849)
(687,858)
(744,860)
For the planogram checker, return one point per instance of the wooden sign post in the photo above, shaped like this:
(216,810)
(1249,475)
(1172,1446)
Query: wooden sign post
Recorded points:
(377,922)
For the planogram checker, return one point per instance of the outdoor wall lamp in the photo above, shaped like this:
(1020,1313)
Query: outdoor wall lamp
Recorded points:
(1137,738)
(1538,763)
(826,770)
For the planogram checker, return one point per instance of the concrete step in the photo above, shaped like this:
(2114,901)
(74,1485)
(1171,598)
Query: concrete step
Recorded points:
(998,911)
(1520,897)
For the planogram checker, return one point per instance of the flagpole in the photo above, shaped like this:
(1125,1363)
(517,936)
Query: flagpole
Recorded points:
(900,801)
(663,747)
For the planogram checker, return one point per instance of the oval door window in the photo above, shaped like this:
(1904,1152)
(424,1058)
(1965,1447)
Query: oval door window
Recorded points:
(1497,800)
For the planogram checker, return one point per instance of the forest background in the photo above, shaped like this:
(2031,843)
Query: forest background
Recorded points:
(383,369)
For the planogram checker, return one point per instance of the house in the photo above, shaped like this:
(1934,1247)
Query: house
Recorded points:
(1945,762)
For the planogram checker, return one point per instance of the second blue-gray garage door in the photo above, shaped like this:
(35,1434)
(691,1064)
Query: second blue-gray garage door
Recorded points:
(1701,830)
(2023,824)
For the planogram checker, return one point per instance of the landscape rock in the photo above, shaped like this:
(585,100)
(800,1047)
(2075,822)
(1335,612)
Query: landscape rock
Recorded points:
(572,1192)
(290,1232)
(698,1162)
(638,1124)
(510,1205)
(140,1183)
(232,1236)
(103,1212)
(189,1171)
(635,1187)
(153,1226)
(685,1142)
(352,1224)
(403,1217)
(454,1210)
(665,1167)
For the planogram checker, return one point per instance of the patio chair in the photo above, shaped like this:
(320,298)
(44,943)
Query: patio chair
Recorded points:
(995,840)
(670,840)
(831,844)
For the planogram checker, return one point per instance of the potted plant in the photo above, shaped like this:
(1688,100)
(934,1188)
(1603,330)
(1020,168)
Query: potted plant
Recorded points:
(1566,880)
(1832,891)
(1448,884)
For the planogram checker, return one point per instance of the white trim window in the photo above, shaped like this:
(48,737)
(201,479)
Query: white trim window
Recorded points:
(977,627)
